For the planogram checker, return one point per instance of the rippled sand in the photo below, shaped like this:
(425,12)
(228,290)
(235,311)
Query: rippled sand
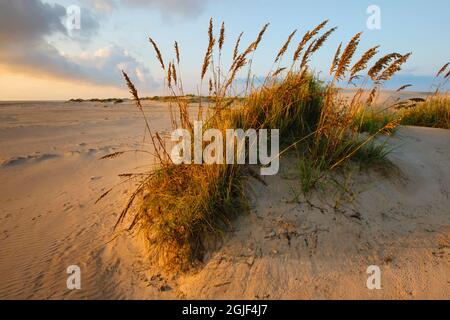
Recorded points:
(50,178)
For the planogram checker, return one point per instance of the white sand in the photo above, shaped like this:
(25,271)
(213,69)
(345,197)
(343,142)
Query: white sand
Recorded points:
(50,178)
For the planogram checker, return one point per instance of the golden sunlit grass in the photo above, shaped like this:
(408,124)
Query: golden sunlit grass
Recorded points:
(184,209)
(433,112)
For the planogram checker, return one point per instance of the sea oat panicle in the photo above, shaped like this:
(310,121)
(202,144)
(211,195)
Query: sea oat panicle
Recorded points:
(347,55)
(158,53)
(285,46)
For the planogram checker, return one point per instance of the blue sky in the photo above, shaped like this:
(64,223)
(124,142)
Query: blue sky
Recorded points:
(117,30)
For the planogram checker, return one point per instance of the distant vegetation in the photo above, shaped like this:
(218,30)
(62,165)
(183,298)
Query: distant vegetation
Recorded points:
(109,100)
(189,98)
(433,112)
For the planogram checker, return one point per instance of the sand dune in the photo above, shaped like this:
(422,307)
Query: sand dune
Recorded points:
(286,247)
(320,247)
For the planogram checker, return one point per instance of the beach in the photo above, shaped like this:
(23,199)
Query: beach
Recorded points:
(286,247)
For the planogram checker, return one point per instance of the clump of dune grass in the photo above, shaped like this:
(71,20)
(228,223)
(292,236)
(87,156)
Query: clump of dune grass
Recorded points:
(434,112)
(184,209)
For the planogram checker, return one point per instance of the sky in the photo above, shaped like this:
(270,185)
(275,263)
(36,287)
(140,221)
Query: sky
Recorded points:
(42,59)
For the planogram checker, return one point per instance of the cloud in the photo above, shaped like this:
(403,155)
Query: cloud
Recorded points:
(103,6)
(24,27)
(168,8)
(24,20)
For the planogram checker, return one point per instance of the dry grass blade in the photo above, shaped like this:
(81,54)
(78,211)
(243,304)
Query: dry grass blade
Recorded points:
(447,75)
(278,71)
(318,28)
(222,36)
(323,39)
(362,63)
(401,104)
(347,55)
(210,85)
(210,30)
(306,37)
(128,175)
(129,204)
(132,88)
(393,68)
(209,50)
(169,75)
(118,154)
(177,52)
(254,45)
(442,70)
(236,47)
(135,95)
(239,63)
(403,87)
(241,60)
(381,64)
(307,54)
(285,46)
(300,46)
(174,74)
(158,53)
(112,155)
(417,99)
(335,61)
(103,195)
(372,95)
(260,36)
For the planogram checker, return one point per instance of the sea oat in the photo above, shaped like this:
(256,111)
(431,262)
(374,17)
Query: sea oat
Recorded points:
(442,70)
(285,46)
(306,37)
(393,68)
(403,87)
(361,64)
(347,56)
(323,39)
(174,74)
(177,52)
(158,53)
(335,61)
(222,36)
(236,47)
(381,64)
(209,50)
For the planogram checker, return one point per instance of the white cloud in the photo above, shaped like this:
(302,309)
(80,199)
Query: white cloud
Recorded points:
(165,7)
(24,27)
